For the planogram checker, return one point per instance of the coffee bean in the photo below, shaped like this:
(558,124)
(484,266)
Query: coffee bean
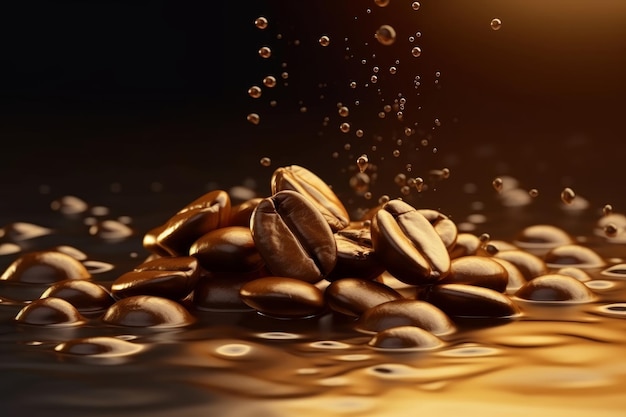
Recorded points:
(305,182)
(240,213)
(352,296)
(408,245)
(283,297)
(44,267)
(209,212)
(515,277)
(50,311)
(444,226)
(355,254)
(556,287)
(574,255)
(227,249)
(466,244)
(147,311)
(477,270)
(405,338)
(293,237)
(220,290)
(469,301)
(540,238)
(529,265)
(405,312)
(169,277)
(86,296)
(151,241)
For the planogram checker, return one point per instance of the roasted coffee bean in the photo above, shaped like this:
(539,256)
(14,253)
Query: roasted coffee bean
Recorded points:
(405,312)
(352,296)
(209,212)
(240,213)
(469,301)
(169,277)
(405,338)
(408,245)
(86,296)
(147,311)
(515,277)
(151,242)
(445,228)
(228,249)
(540,238)
(50,311)
(466,244)
(44,267)
(529,265)
(283,297)
(574,255)
(556,287)
(293,237)
(355,254)
(305,182)
(220,290)
(477,270)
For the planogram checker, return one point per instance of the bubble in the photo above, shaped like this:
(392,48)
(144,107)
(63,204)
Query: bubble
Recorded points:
(360,183)
(393,70)
(533,192)
(254,91)
(374,79)
(445,173)
(484,238)
(381,115)
(400,179)
(362,162)
(497,184)
(253,118)
(284,75)
(496,24)
(386,35)
(359,133)
(415,5)
(405,190)
(396,153)
(344,127)
(352,84)
(382,3)
(265,52)
(607,209)
(265,161)
(324,40)
(260,22)
(269,81)
(416,51)
(567,195)
(343,111)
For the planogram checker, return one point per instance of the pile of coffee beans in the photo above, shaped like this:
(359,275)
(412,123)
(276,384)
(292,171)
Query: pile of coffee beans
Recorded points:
(404,275)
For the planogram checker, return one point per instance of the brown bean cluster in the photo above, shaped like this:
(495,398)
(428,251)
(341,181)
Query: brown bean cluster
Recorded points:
(405,275)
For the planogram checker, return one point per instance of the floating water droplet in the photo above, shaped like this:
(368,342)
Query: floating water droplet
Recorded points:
(607,209)
(393,70)
(416,51)
(265,52)
(254,91)
(418,184)
(386,35)
(359,133)
(253,118)
(382,3)
(497,184)
(496,24)
(324,40)
(269,81)
(484,238)
(533,193)
(261,22)
(265,161)
(567,195)
(415,5)
(343,111)
(344,127)
(362,162)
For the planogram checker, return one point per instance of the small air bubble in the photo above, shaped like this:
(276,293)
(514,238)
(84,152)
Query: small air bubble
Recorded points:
(254,91)
(324,40)
(496,24)
(344,127)
(265,161)
(568,195)
(359,133)
(393,70)
(533,192)
(260,22)
(386,35)
(611,230)
(265,52)
(416,51)
(497,184)
(253,118)
(269,81)
(415,5)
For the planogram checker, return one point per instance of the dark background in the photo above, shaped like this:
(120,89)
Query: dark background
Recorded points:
(98,91)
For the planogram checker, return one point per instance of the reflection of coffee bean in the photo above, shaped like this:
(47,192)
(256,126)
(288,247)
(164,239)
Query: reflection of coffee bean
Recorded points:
(170,277)
(305,182)
(283,297)
(227,249)
(293,237)
(220,290)
(408,244)
(352,296)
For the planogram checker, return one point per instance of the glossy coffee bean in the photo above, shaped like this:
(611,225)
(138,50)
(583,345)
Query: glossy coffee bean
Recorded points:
(169,277)
(50,311)
(44,267)
(574,255)
(240,213)
(151,241)
(220,290)
(405,312)
(477,270)
(515,277)
(408,245)
(556,287)
(466,244)
(444,226)
(539,238)
(355,254)
(529,265)
(283,297)
(209,212)
(227,249)
(147,311)
(469,301)
(293,237)
(305,182)
(352,296)
(86,296)
(405,338)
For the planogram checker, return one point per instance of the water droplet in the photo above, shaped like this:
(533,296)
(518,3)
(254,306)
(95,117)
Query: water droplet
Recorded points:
(374,79)
(496,24)
(418,184)
(415,5)
(362,162)
(343,111)
(359,133)
(484,238)
(386,35)
(352,84)
(265,161)
(607,209)
(253,118)
(254,91)
(393,70)
(497,184)
(416,51)
(265,52)
(269,81)
(260,22)
(567,195)
(382,3)
(345,127)
(324,40)
(533,193)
